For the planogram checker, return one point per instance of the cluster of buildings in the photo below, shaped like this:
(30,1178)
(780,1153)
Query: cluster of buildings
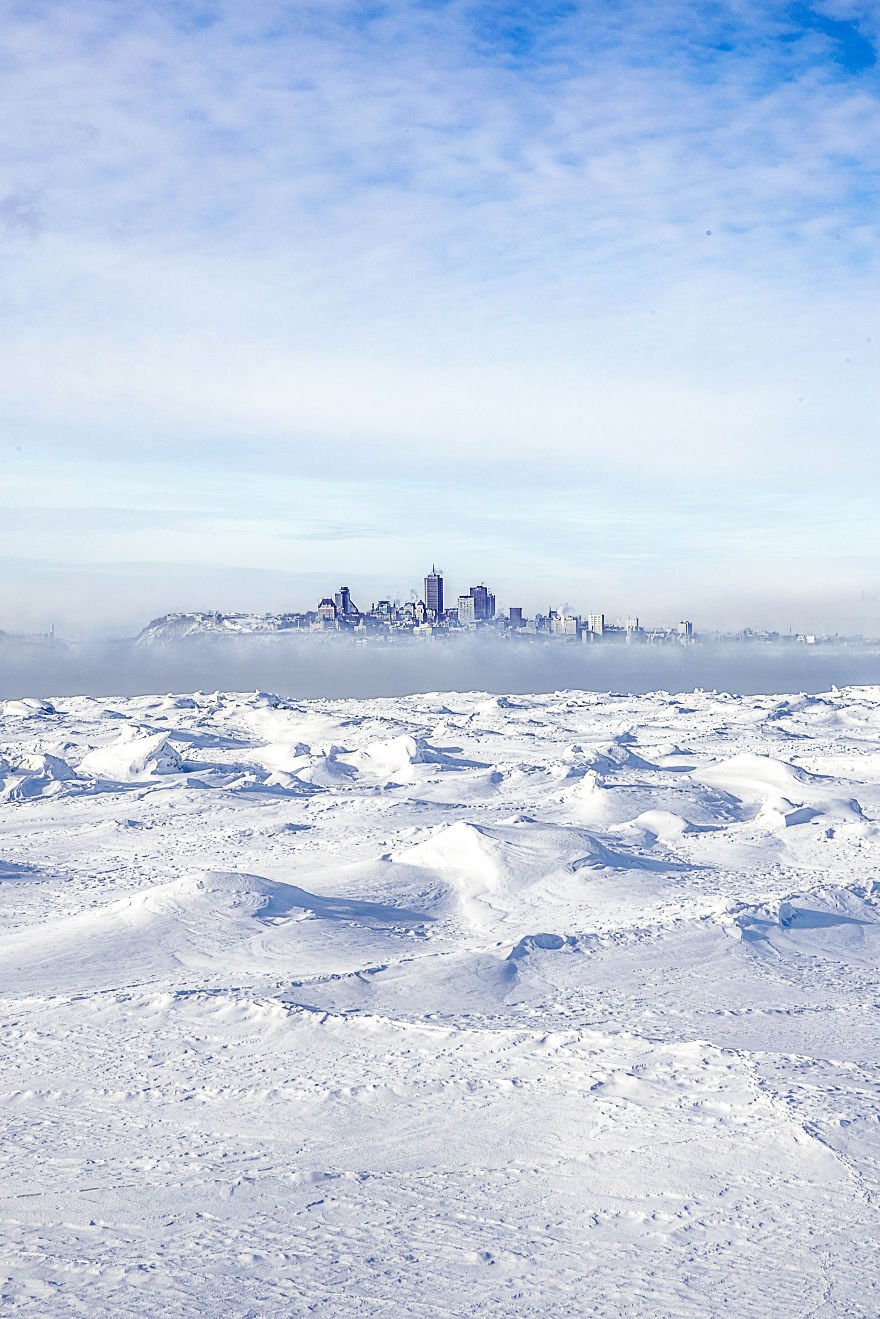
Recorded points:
(472,611)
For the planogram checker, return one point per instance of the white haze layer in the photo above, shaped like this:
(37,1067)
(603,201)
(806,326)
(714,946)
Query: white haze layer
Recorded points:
(336,666)
(450,1004)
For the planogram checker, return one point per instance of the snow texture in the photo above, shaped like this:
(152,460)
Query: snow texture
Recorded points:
(440,1005)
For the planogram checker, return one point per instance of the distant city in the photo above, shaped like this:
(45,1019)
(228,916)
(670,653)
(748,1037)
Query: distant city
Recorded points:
(475,610)
(472,611)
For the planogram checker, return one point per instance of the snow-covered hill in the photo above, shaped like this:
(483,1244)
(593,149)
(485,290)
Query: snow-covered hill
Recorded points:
(440,1005)
(176,627)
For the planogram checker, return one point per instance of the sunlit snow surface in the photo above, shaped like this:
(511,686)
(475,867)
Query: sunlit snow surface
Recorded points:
(442,1005)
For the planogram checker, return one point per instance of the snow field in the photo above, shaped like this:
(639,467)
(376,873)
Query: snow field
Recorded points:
(441,1005)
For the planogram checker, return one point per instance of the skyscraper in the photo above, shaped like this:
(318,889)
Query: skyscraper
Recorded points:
(345,606)
(484,603)
(434,594)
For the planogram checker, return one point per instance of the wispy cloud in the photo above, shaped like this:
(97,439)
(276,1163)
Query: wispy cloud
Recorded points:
(581,240)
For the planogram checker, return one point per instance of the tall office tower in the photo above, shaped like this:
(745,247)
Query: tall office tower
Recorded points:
(434,594)
(484,603)
(345,606)
(466,614)
(516,616)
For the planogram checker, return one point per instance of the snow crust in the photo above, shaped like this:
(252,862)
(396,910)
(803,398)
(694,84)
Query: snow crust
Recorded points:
(440,1005)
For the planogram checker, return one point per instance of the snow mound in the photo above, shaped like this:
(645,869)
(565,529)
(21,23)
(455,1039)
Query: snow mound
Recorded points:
(383,759)
(614,756)
(754,777)
(668,826)
(269,701)
(530,944)
(836,924)
(212,921)
(27,707)
(477,859)
(493,705)
(172,702)
(394,757)
(670,751)
(221,892)
(590,798)
(784,794)
(131,759)
(36,775)
(285,756)
(492,871)
(325,768)
(443,986)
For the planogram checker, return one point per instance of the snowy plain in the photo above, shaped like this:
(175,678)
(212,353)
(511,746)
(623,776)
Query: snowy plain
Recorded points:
(456,1005)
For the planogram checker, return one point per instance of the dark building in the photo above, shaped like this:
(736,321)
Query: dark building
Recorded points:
(484,603)
(345,606)
(516,617)
(434,594)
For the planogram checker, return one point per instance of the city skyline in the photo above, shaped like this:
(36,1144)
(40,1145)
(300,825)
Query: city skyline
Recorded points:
(473,606)
(475,609)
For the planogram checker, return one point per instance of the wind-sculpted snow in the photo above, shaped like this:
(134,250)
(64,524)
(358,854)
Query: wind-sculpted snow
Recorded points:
(131,758)
(449,1004)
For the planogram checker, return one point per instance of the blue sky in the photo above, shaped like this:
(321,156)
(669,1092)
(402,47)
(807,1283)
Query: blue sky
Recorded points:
(578,298)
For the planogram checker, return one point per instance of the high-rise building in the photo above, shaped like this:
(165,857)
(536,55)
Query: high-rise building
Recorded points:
(484,603)
(516,616)
(466,611)
(596,624)
(434,594)
(345,606)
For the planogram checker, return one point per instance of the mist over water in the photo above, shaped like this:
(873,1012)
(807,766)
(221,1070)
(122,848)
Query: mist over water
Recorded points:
(335,666)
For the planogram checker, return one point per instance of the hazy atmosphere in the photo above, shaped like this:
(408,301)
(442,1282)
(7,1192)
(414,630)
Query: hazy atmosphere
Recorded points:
(579,298)
(335,666)
(439,659)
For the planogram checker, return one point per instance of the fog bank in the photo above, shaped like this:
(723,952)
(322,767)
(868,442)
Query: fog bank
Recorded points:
(334,666)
